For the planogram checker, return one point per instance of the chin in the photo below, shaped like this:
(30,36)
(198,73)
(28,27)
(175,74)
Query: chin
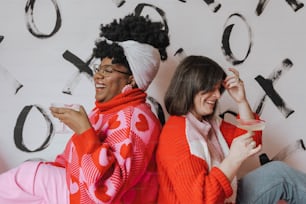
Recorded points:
(99,99)
(208,113)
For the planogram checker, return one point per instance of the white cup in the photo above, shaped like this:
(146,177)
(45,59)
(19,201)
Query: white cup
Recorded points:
(59,126)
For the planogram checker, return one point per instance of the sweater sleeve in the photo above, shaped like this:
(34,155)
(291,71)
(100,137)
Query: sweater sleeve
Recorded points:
(197,184)
(185,178)
(90,160)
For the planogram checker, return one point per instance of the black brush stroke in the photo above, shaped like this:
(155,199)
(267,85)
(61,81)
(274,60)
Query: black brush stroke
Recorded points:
(18,130)
(214,5)
(139,8)
(77,62)
(295,5)
(226,44)
(268,83)
(267,86)
(83,67)
(31,26)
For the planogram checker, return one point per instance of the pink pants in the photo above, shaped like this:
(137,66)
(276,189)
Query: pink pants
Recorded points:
(34,182)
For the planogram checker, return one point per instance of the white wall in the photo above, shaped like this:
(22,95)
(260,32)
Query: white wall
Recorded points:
(37,63)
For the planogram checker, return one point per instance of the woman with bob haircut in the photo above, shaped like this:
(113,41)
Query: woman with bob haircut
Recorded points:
(199,154)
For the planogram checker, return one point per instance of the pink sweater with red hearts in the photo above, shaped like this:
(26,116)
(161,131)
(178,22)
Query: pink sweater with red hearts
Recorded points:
(114,162)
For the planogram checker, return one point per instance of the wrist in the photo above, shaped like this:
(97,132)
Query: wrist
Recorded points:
(230,167)
(242,102)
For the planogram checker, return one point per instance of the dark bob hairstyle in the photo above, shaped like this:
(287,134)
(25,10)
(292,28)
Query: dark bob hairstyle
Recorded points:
(193,74)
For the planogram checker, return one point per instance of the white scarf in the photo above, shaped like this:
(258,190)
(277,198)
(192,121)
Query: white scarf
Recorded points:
(199,148)
(144,61)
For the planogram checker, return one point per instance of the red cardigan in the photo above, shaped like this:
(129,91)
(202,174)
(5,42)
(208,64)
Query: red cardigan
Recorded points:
(185,178)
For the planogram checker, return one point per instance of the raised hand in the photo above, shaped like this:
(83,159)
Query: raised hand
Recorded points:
(76,120)
(235,87)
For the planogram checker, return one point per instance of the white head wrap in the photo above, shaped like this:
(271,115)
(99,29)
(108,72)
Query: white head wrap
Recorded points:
(144,61)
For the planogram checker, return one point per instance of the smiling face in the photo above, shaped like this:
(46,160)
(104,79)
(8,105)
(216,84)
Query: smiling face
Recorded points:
(204,102)
(111,84)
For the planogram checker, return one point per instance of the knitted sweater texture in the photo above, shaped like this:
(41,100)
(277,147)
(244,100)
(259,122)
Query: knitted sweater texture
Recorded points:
(114,162)
(186,178)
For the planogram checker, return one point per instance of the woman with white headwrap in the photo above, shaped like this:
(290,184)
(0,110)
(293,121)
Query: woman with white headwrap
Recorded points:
(110,158)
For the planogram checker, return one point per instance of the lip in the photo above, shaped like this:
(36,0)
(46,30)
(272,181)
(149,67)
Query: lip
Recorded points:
(99,85)
(211,102)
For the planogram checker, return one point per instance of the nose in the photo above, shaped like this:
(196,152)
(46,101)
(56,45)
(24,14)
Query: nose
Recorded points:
(217,93)
(98,75)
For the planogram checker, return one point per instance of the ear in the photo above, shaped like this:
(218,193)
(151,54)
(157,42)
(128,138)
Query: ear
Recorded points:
(132,81)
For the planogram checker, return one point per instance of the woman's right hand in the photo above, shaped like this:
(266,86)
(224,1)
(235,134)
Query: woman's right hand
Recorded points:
(76,120)
(242,148)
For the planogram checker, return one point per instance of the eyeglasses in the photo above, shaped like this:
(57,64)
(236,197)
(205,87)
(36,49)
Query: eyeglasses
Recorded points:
(107,69)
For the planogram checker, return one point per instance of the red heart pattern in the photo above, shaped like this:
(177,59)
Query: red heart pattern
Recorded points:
(114,122)
(125,151)
(142,124)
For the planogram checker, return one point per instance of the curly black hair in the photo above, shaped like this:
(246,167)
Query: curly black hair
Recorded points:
(132,27)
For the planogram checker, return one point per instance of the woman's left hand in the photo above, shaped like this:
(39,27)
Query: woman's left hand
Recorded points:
(235,87)
(76,120)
